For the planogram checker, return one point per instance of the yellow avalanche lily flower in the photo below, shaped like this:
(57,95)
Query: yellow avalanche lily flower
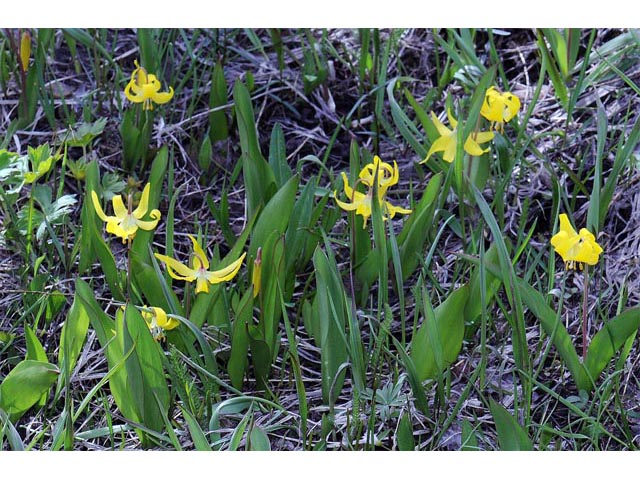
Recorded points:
(447,142)
(499,107)
(199,271)
(158,322)
(361,202)
(144,88)
(126,221)
(575,247)
(387,175)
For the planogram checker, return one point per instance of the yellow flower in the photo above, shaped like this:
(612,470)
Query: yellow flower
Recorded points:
(158,321)
(126,221)
(361,202)
(145,87)
(447,142)
(199,271)
(575,247)
(387,175)
(499,107)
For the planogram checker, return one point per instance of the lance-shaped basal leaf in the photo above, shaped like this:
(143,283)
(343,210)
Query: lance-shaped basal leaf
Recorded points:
(24,385)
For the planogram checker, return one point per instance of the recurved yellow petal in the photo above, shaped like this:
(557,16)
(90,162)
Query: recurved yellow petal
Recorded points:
(201,257)
(150,224)
(162,320)
(343,205)
(226,273)
(472,147)
(452,120)
(442,130)
(440,145)
(98,207)
(143,206)
(176,269)
(118,207)
(163,97)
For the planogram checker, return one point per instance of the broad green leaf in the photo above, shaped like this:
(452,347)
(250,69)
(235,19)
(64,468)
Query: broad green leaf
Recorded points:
(25,385)
(218,123)
(610,339)
(404,437)
(300,239)
(469,440)
(275,216)
(278,156)
(332,320)
(89,218)
(199,438)
(412,238)
(239,361)
(113,346)
(511,436)
(258,440)
(259,179)
(205,154)
(439,339)
(74,333)
(273,276)
(145,374)
(261,357)
(35,351)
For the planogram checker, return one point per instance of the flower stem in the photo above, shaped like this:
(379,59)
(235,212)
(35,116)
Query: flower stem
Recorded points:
(585,296)
(129,268)
(30,224)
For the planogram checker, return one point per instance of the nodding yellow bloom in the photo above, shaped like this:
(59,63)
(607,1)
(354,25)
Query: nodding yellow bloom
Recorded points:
(158,321)
(144,88)
(361,202)
(126,221)
(575,248)
(448,140)
(387,175)
(199,271)
(499,107)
